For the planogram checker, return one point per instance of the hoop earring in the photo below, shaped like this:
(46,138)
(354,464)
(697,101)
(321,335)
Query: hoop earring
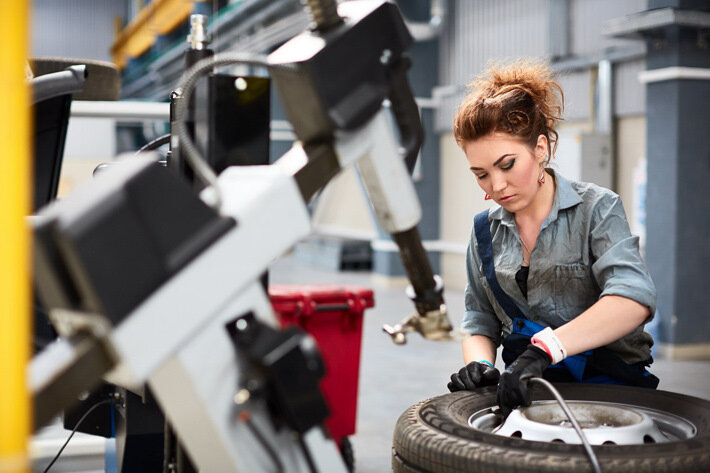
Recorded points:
(487,197)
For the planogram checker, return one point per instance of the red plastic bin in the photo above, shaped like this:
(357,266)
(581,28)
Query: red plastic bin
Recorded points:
(332,315)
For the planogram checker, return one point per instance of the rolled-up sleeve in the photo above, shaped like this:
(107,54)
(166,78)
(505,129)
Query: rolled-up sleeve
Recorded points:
(619,268)
(479,317)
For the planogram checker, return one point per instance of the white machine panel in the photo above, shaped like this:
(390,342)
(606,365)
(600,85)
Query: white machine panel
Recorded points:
(197,387)
(383,171)
(271,217)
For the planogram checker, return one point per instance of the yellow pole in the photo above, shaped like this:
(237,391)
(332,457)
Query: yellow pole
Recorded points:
(14,238)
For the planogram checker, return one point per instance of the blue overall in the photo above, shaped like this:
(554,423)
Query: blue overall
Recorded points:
(600,365)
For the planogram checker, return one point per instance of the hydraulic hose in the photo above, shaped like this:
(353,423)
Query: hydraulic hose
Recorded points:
(194,158)
(587,446)
(155,144)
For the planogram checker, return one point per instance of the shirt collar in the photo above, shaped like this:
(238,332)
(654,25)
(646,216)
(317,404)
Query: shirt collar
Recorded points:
(568,197)
(565,197)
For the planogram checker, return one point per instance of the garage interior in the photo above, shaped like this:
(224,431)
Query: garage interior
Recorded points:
(636,76)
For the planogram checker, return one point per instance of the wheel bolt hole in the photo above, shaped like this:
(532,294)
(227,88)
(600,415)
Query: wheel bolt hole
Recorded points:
(609,442)
(558,441)
(648,439)
(517,434)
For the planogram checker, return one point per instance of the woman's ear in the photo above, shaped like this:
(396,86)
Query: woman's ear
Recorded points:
(541,150)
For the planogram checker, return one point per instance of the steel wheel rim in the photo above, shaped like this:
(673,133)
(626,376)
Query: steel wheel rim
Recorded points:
(664,427)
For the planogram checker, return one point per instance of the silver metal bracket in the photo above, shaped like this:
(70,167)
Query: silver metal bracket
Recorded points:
(433,325)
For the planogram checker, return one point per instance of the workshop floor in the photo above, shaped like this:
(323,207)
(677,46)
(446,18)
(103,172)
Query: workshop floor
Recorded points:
(392,378)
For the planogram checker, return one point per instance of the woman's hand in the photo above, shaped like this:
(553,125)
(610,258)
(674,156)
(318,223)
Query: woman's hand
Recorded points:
(473,375)
(513,387)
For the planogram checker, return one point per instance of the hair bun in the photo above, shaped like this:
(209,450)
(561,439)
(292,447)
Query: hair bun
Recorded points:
(521,98)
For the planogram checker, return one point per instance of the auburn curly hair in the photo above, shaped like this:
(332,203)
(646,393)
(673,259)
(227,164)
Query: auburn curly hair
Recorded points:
(522,99)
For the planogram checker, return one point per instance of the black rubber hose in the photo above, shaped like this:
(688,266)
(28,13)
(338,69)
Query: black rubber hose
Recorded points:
(565,408)
(155,144)
(202,170)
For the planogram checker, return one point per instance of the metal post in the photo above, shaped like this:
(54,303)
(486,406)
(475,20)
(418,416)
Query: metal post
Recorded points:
(14,244)
(604,113)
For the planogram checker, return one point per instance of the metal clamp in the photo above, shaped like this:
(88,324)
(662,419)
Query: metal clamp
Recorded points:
(433,325)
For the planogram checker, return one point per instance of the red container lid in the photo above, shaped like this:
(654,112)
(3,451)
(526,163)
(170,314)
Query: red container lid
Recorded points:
(306,300)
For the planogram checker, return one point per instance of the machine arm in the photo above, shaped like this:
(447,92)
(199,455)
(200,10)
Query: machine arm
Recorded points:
(406,112)
(333,81)
(155,275)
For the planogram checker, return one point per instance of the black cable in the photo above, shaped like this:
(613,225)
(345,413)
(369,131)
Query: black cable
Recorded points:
(590,453)
(245,417)
(307,454)
(155,144)
(56,457)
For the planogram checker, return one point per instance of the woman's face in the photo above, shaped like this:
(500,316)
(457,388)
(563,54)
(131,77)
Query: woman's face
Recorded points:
(506,168)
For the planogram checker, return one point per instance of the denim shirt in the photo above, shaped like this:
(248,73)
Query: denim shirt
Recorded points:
(584,251)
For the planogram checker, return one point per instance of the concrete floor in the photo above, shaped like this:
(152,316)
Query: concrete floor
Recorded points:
(392,377)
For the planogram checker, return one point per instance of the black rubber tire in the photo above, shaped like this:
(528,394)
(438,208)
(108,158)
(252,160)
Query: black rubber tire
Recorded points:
(433,436)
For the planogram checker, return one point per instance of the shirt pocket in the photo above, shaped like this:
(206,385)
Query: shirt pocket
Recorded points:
(574,290)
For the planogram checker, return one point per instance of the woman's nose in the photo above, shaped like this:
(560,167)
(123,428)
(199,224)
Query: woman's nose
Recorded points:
(498,183)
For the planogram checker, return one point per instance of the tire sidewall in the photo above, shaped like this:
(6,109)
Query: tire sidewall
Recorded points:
(440,424)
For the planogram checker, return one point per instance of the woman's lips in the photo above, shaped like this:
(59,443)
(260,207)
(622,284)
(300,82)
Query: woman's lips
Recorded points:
(507,198)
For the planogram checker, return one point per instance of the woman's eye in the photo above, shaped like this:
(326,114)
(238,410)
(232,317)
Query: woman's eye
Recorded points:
(481,176)
(508,165)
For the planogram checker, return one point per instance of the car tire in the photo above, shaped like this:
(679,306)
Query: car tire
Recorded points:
(434,436)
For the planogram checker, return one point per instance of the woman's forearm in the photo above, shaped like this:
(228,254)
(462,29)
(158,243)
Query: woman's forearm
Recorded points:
(609,319)
(477,348)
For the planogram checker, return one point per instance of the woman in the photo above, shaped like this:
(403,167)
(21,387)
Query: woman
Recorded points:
(553,271)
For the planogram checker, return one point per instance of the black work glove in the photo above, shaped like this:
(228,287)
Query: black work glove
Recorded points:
(472,376)
(513,386)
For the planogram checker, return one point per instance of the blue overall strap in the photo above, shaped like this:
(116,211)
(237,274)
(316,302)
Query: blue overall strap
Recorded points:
(485,251)
(527,328)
